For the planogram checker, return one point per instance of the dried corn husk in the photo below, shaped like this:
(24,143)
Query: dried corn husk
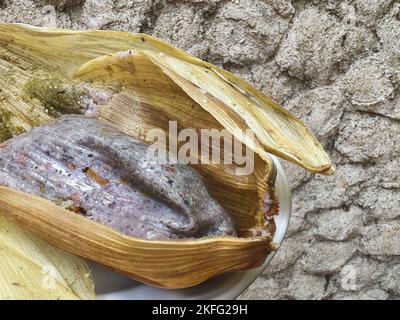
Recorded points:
(170,264)
(32,269)
(152,82)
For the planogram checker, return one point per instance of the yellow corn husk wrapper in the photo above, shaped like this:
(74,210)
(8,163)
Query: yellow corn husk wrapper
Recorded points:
(152,83)
(32,269)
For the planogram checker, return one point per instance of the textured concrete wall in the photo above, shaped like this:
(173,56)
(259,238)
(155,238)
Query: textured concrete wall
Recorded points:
(336,65)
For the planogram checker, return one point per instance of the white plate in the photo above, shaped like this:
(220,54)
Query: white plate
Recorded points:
(110,285)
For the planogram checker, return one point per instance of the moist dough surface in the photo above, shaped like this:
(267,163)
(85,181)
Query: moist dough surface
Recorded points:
(93,169)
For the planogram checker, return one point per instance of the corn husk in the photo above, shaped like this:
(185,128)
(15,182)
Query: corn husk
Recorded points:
(32,269)
(153,82)
(171,264)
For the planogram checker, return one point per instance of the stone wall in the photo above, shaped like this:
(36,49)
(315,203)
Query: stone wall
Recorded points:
(334,64)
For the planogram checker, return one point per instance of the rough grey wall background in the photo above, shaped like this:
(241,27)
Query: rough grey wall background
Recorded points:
(336,65)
